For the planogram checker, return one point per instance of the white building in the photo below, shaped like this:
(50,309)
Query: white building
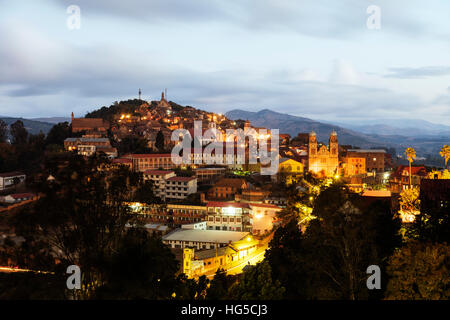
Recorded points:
(159,177)
(9,179)
(230,216)
(180,187)
(202,239)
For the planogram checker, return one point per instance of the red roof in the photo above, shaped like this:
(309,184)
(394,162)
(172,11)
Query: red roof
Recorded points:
(158,172)
(122,160)
(415,170)
(22,195)
(150,155)
(11,174)
(182,179)
(227,204)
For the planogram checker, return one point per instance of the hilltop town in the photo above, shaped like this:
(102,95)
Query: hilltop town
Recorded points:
(215,212)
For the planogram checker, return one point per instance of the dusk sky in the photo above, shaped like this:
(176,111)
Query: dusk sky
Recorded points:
(316,59)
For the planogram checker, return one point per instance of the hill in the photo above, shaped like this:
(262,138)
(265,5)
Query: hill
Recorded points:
(32,126)
(425,145)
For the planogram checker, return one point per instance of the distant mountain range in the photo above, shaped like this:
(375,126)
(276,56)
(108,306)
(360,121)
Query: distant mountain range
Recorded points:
(32,126)
(406,127)
(361,135)
(54,120)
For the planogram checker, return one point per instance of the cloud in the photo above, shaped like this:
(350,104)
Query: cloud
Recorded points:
(316,18)
(416,73)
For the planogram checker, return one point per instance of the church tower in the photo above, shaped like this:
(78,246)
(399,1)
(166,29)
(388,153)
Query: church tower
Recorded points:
(333,143)
(312,144)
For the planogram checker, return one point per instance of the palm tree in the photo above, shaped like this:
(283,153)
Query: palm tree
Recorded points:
(411,155)
(445,153)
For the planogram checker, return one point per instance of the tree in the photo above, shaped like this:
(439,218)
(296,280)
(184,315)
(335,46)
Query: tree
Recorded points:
(141,268)
(287,257)
(445,153)
(159,143)
(133,144)
(3,131)
(218,289)
(348,236)
(419,271)
(411,155)
(82,218)
(256,284)
(145,193)
(18,133)
(191,289)
(58,133)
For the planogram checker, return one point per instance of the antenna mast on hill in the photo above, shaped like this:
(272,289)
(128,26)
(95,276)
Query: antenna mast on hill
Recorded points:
(140,92)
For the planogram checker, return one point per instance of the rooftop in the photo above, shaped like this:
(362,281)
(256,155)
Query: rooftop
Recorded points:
(158,172)
(213,236)
(87,139)
(182,179)
(150,155)
(227,204)
(376,193)
(11,174)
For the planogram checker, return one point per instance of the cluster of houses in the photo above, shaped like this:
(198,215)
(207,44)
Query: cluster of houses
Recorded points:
(230,217)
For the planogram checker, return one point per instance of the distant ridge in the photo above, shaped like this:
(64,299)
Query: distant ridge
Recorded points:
(293,125)
(54,120)
(32,126)
(424,144)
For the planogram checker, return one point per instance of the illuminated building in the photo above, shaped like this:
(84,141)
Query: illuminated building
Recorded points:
(229,216)
(196,263)
(375,158)
(324,160)
(354,166)
(201,239)
(263,217)
(143,162)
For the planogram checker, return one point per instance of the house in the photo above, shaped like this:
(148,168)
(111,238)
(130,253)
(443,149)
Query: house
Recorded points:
(226,188)
(88,146)
(10,179)
(399,180)
(290,169)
